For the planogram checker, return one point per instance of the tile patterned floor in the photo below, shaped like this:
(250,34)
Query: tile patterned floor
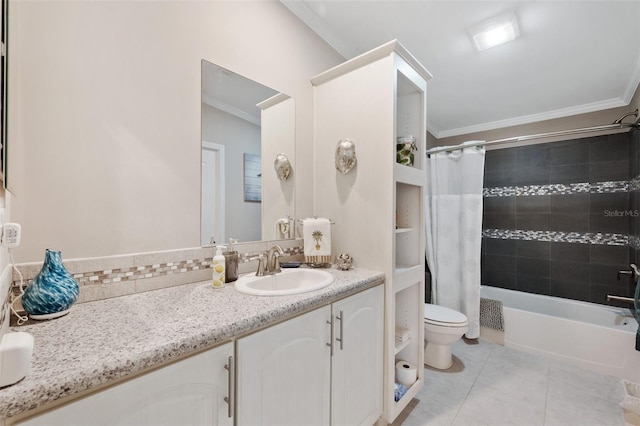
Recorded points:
(492,385)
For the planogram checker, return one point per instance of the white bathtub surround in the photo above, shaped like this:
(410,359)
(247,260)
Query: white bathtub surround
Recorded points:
(453,213)
(591,336)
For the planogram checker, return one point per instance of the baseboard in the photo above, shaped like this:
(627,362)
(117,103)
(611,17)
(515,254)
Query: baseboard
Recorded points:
(492,335)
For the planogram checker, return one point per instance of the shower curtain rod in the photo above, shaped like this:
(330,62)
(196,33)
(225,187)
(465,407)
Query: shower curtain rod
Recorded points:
(618,124)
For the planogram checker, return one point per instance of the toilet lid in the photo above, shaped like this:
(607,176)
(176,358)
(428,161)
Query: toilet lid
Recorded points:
(443,314)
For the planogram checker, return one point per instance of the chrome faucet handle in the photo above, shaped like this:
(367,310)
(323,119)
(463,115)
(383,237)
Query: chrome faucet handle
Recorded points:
(260,257)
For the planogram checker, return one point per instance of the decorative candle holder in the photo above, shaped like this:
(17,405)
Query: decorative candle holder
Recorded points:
(344,261)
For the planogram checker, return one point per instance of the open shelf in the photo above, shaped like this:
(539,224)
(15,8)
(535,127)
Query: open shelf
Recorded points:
(409,115)
(403,230)
(408,175)
(407,275)
(407,281)
(401,346)
(409,316)
(407,397)
(395,191)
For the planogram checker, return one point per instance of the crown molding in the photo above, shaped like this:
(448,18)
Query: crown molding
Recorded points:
(533,118)
(317,25)
(222,106)
(274,100)
(393,46)
(633,82)
(432,128)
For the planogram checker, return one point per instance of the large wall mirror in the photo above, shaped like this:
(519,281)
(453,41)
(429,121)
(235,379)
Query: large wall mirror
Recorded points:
(244,126)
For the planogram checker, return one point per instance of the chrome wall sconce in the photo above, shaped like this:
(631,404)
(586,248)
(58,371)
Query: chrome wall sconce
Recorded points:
(282,165)
(345,156)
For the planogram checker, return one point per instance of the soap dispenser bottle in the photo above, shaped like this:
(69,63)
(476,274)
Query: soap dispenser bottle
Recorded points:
(218,268)
(231,263)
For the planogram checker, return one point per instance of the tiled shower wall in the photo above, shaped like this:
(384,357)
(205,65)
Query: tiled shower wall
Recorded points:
(634,196)
(558,217)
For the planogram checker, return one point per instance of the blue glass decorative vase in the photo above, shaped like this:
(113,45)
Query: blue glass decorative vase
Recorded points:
(52,291)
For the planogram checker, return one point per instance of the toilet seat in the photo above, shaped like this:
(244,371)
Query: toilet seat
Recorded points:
(443,316)
(446,324)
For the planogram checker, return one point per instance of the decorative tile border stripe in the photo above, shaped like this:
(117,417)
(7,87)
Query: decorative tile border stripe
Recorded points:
(634,242)
(558,189)
(112,276)
(559,237)
(109,276)
(610,187)
(116,275)
(248,257)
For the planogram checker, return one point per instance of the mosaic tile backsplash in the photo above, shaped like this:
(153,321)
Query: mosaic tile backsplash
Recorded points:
(101,278)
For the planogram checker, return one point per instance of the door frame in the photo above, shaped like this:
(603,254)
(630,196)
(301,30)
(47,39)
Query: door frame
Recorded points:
(220,219)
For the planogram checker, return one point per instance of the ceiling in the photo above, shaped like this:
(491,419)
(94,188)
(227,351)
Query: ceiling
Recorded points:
(572,57)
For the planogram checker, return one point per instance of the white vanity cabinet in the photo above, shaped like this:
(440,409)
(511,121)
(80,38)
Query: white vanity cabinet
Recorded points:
(323,367)
(357,363)
(192,391)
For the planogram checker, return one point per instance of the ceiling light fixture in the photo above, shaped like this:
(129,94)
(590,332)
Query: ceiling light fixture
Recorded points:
(495,31)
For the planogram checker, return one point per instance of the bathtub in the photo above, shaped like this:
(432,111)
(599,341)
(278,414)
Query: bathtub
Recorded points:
(595,337)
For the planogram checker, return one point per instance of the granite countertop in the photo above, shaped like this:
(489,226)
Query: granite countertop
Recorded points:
(101,341)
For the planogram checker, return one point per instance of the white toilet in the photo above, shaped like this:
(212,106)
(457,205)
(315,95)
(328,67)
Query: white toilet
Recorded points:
(442,328)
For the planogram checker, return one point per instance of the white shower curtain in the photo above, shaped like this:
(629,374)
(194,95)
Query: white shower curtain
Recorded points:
(453,213)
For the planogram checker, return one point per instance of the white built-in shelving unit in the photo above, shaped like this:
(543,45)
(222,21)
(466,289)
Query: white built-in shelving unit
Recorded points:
(378,207)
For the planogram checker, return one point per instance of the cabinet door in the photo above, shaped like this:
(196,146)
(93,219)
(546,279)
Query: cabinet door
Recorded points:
(188,392)
(357,364)
(284,373)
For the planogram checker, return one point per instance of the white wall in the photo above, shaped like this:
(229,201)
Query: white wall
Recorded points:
(278,128)
(6,271)
(104,123)
(242,218)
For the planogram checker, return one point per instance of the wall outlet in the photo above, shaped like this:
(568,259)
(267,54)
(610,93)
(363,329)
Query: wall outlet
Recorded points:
(11,235)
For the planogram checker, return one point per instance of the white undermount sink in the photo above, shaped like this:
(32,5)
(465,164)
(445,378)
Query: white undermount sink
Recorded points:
(289,281)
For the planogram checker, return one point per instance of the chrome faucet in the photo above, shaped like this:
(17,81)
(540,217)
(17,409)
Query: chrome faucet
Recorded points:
(270,264)
(273,262)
